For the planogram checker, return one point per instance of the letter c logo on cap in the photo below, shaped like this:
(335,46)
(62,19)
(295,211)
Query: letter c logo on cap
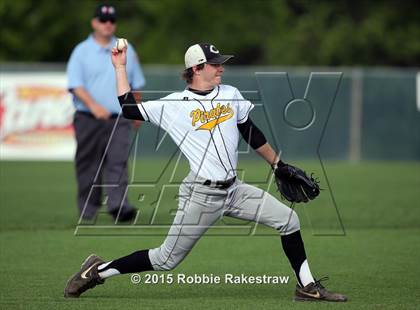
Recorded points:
(213,49)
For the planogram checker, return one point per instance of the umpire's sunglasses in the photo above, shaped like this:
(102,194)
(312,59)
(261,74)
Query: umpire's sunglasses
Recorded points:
(107,19)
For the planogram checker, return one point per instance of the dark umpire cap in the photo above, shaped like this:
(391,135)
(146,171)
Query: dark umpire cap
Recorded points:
(105,12)
(204,53)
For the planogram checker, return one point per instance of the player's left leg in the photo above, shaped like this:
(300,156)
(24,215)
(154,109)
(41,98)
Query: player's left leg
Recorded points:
(251,203)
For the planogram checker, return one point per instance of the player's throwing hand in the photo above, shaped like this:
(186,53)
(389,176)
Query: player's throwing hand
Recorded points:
(119,57)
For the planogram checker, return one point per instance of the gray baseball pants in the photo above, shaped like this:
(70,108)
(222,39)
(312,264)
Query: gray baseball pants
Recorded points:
(200,206)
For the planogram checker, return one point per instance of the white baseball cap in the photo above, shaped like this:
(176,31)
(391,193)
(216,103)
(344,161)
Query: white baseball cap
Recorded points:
(204,53)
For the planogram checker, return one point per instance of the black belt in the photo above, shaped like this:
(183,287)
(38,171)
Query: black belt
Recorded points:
(113,115)
(220,184)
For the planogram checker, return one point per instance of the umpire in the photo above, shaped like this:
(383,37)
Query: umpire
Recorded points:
(91,80)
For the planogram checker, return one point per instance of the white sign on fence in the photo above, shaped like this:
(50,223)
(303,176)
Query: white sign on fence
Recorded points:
(36,114)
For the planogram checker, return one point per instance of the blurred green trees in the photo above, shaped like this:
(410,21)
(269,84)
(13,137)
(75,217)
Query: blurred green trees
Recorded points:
(274,32)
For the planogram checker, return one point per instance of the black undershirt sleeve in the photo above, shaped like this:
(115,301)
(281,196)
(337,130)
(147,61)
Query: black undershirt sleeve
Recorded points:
(252,134)
(129,107)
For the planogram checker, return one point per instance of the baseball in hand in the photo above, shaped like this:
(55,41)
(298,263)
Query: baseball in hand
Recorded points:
(121,44)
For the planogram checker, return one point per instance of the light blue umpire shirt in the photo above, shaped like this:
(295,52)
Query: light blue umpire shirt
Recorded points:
(90,66)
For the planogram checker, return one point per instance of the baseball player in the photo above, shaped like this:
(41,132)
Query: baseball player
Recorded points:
(205,120)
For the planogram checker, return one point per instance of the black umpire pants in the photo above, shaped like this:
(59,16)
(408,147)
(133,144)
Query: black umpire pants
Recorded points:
(101,163)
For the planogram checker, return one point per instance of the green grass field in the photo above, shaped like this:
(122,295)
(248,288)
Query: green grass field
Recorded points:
(374,260)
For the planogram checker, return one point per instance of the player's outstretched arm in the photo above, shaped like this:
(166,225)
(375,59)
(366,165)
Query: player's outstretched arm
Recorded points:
(256,139)
(267,152)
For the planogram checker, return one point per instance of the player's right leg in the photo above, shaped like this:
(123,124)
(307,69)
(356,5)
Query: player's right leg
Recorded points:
(198,210)
(87,277)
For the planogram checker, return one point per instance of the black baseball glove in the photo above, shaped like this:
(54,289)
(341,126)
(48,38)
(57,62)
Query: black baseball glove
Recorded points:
(294,184)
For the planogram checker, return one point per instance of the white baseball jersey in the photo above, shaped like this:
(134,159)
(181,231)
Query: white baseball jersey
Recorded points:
(203,127)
